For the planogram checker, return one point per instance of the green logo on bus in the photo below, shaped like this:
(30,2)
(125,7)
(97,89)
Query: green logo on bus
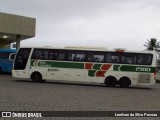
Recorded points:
(142,69)
(130,68)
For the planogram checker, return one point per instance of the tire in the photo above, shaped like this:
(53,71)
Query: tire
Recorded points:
(110,81)
(124,82)
(36,77)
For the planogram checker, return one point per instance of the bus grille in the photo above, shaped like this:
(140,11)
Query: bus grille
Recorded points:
(144,78)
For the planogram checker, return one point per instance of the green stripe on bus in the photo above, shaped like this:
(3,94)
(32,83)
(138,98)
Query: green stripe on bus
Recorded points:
(76,65)
(129,68)
(58,64)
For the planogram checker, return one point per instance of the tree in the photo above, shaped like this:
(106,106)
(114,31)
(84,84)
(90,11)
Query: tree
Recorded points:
(152,45)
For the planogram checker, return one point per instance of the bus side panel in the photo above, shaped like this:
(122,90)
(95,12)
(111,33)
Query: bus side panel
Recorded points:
(153,80)
(70,74)
(54,73)
(145,79)
(6,65)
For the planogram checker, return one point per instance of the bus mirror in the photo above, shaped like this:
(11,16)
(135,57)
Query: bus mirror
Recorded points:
(12,56)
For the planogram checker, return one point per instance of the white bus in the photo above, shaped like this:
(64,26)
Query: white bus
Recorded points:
(116,67)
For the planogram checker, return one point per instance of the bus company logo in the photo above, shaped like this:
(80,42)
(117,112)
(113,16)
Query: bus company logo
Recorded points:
(6,114)
(36,63)
(142,69)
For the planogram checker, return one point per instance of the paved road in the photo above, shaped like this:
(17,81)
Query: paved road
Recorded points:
(24,95)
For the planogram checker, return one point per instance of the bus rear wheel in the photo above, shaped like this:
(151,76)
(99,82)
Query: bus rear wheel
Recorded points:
(124,82)
(110,81)
(36,77)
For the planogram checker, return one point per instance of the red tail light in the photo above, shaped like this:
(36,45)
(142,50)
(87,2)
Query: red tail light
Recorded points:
(155,74)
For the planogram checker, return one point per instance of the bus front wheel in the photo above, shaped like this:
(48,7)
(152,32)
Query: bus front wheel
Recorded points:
(110,81)
(36,77)
(124,82)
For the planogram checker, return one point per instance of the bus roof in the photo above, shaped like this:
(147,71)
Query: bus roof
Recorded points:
(92,49)
(7,50)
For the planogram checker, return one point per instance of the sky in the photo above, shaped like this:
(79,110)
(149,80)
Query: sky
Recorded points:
(101,23)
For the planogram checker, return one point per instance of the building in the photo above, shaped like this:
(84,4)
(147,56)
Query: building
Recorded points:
(14,28)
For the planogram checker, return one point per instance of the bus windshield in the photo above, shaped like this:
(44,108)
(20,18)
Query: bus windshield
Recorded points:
(22,58)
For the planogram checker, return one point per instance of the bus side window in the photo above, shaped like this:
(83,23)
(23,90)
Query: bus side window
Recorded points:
(95,56)
(115,58)
(37,54)
(57,55)
(76,56)
(90,58)
(144,59)
(45,54)
(139,60)
(112,57)
(108,58)
(129,58)
(40,54)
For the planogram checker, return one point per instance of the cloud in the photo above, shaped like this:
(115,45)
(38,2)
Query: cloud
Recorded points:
(112,23)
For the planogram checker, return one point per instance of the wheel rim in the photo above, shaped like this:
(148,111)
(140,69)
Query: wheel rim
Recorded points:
(36,77)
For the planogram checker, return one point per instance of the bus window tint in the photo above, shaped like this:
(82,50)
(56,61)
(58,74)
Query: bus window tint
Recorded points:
(40,54)
(4,55)
(76,56)
(95,57)
(112,57)
(144,59)
(56,55)
(22,58)
(128,58)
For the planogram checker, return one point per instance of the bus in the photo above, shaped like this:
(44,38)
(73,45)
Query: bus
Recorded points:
(5,62)
(113,68)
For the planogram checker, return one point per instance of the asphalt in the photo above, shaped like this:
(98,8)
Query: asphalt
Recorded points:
(25,95)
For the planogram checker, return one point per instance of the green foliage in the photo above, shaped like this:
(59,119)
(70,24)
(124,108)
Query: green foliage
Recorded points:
(152,45)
